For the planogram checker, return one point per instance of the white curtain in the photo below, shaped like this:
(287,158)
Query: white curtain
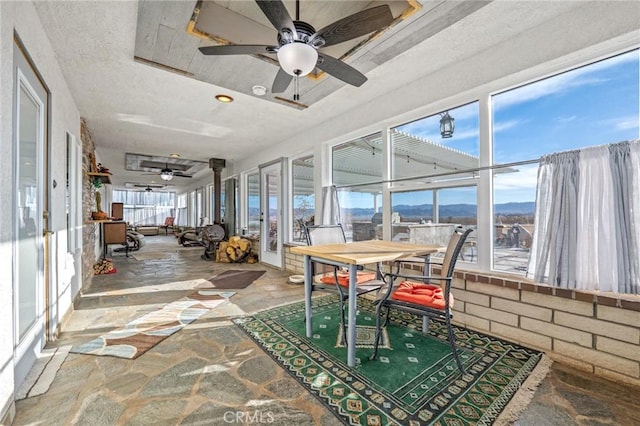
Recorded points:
(330,206)
(595,242)
(587,233)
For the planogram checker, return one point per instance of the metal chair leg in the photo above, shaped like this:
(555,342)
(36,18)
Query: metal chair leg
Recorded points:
(387,316)
(452,343)
(378,331)
(343,321)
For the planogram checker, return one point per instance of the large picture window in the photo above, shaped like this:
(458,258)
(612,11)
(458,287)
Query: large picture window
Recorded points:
(181,210)
(361,212)
(596,104)
(430,216)
(253,203)
(145,207)
(436,158)
(303,196)
(424,148)
(358,161)
(355,164)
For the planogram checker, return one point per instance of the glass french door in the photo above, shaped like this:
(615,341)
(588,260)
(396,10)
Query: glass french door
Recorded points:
(271,209)
(30,114)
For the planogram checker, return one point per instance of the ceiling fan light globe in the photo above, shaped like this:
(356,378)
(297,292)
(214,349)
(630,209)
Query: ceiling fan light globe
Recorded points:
(297,59)
(166,175)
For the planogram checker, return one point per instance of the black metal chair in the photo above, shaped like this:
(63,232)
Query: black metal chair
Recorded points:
(334,234)
(300,230)
(417,295)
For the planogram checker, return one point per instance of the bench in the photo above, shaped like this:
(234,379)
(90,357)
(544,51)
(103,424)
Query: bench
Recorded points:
(148,230)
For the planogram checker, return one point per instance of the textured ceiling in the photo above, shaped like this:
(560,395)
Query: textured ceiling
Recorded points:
(169,33)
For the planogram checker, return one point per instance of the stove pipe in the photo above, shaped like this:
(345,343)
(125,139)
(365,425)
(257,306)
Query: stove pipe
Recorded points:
(217,164)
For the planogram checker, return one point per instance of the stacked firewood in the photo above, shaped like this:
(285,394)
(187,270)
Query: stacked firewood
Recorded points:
(236,250)
(104,266)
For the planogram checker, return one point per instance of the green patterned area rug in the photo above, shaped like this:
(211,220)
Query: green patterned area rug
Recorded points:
(414,380)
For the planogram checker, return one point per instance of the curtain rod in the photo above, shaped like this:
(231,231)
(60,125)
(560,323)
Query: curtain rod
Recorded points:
(478,169)
(500,166)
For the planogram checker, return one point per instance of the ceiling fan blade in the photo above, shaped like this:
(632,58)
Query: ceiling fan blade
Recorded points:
(237,49)
(340,70)
(355,25)
(178,174)
(281,82)
(278,15)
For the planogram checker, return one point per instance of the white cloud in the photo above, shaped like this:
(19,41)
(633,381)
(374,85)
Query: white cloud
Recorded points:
(459,134)
(560,83)
(566,119)
(626,123)
(517,186)
(505,125)
(551,86)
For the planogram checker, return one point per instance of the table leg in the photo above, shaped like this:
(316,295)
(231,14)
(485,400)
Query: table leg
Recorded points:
(308,281)
(351,330)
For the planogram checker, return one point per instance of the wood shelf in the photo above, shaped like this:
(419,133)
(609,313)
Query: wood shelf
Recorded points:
(89,221)
(104,177)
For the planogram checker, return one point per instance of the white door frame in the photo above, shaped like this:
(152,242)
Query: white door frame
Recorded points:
(271,246)
(30,339)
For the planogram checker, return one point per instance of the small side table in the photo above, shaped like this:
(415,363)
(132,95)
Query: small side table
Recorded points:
(114,233)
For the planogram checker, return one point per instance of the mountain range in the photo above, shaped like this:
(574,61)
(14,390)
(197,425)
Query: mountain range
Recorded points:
(446,210)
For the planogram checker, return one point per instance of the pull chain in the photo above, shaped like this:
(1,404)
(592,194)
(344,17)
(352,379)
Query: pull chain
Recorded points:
(296,86)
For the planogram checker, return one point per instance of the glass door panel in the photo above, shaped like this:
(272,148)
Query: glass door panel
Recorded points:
(271,214)
(30,108)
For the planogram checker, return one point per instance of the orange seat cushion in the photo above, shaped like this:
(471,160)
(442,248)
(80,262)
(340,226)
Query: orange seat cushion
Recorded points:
(421,294)
(343,278)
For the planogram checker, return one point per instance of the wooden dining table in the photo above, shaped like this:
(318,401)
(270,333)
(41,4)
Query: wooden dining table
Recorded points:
(353,256)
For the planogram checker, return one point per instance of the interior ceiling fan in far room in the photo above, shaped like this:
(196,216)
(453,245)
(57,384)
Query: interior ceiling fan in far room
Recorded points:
(167,173)
(298,43)
(146,186)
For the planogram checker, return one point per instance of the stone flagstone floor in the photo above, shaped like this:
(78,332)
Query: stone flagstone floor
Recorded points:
(210,373)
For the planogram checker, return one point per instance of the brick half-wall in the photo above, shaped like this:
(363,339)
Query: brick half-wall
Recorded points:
(596,333)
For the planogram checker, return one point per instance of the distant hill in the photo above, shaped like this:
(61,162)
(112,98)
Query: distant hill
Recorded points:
(527,208)
(453,210)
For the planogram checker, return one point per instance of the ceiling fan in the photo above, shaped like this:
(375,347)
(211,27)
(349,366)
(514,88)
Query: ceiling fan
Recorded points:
(167,174)
(298,43)
(146,186)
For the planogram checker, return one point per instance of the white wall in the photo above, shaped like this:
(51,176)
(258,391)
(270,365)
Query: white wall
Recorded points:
(22,18)
(6,175)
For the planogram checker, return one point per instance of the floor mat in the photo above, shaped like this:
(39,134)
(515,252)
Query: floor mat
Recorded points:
(235,279)
(142,334)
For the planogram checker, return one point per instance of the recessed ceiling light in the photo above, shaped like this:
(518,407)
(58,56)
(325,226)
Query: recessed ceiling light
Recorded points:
(174,155)
(224,98)
(259,90)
